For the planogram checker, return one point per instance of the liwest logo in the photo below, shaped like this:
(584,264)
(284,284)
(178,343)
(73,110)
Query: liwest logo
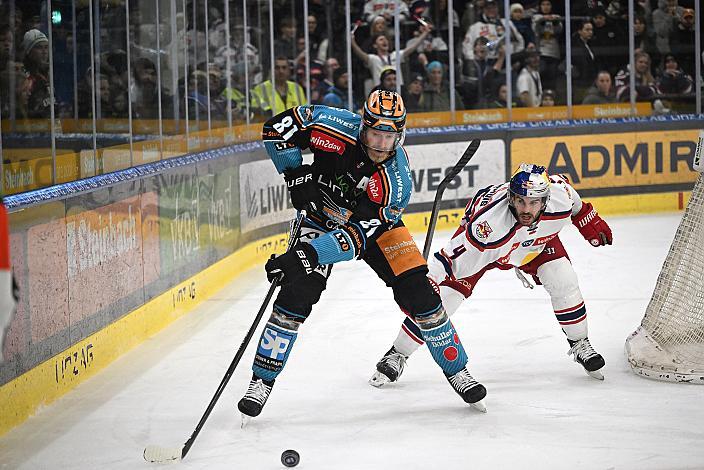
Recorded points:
(274,344)
(326,143)
(338,120)
(428,179)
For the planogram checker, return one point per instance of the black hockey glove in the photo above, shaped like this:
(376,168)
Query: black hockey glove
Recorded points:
(295,264)
(302,185)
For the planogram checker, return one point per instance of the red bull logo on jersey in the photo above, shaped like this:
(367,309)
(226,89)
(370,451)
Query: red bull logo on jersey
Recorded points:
(544,240)
(483,230)
(326,143)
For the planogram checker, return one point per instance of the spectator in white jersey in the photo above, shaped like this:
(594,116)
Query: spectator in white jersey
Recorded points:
(492,27)
(383,56)
(529,86)
(513,225)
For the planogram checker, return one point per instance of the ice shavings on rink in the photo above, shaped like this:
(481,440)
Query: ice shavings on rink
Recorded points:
(543,410)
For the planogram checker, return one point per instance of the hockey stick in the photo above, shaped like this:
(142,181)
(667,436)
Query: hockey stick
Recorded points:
(466,157)
(158,454)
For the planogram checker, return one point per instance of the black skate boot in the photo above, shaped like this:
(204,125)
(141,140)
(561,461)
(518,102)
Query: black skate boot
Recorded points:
(389,368)
(585,355)
(468,388)
(253,401)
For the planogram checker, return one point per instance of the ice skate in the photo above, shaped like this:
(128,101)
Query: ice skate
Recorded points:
(585,355)
(389,368)
(253,401)
(468,388)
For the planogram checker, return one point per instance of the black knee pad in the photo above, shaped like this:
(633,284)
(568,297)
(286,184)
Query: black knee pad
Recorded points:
(414,294)
(296,300)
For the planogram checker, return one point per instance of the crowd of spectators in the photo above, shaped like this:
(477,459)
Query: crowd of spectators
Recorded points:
(663,37)
(195,70)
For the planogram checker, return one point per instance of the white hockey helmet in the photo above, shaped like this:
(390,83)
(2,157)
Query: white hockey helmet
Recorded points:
(530,181)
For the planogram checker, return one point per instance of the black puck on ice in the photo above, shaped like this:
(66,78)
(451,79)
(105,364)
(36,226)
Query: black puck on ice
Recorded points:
(290,458)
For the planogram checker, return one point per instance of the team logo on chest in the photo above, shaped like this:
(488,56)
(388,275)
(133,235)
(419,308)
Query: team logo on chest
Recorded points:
(326,143)
(482,230)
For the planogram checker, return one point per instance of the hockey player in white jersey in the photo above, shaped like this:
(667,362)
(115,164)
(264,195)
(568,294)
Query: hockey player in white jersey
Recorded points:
(514,224)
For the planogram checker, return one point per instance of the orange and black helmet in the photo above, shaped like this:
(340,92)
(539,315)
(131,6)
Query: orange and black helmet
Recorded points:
(384,111)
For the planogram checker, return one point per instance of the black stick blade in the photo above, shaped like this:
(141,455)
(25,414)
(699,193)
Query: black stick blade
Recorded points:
(466,156)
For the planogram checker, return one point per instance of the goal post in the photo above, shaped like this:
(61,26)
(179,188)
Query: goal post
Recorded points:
(669,343)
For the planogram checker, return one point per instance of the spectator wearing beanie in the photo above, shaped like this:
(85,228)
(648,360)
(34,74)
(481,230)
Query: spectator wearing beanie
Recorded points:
(413,94)
(522,23)
(36,86)
(336,96)
(436,95)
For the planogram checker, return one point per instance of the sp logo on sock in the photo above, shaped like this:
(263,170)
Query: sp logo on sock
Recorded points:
(274,344)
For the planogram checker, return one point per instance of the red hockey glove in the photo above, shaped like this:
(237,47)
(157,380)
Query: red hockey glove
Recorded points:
(591,226)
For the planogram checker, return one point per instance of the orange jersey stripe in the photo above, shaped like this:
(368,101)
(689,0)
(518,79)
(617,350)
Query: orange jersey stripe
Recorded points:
(336,134)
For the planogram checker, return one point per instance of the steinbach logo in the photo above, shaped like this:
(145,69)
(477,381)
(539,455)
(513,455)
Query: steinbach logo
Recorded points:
(374,188)
(356,238)
(326,143)
(399,246)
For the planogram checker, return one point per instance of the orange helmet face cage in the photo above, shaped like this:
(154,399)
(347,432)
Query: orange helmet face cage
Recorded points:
(385,111)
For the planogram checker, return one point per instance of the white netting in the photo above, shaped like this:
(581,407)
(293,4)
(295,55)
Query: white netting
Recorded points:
(673,325)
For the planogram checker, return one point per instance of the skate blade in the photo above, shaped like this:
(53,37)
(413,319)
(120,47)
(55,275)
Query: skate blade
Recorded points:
(158,454)
(378,380)
(245,420)
(595,374)
(479,406)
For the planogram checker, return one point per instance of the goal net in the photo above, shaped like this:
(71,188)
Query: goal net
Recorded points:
(669,343)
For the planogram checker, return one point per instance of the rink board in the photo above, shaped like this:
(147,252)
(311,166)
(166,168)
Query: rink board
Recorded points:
(20,398)
(192,229)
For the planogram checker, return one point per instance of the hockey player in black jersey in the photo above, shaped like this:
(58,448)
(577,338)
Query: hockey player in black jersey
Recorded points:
(355,192)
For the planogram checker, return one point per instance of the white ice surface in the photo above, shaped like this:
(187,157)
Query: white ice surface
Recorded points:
(543,410)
